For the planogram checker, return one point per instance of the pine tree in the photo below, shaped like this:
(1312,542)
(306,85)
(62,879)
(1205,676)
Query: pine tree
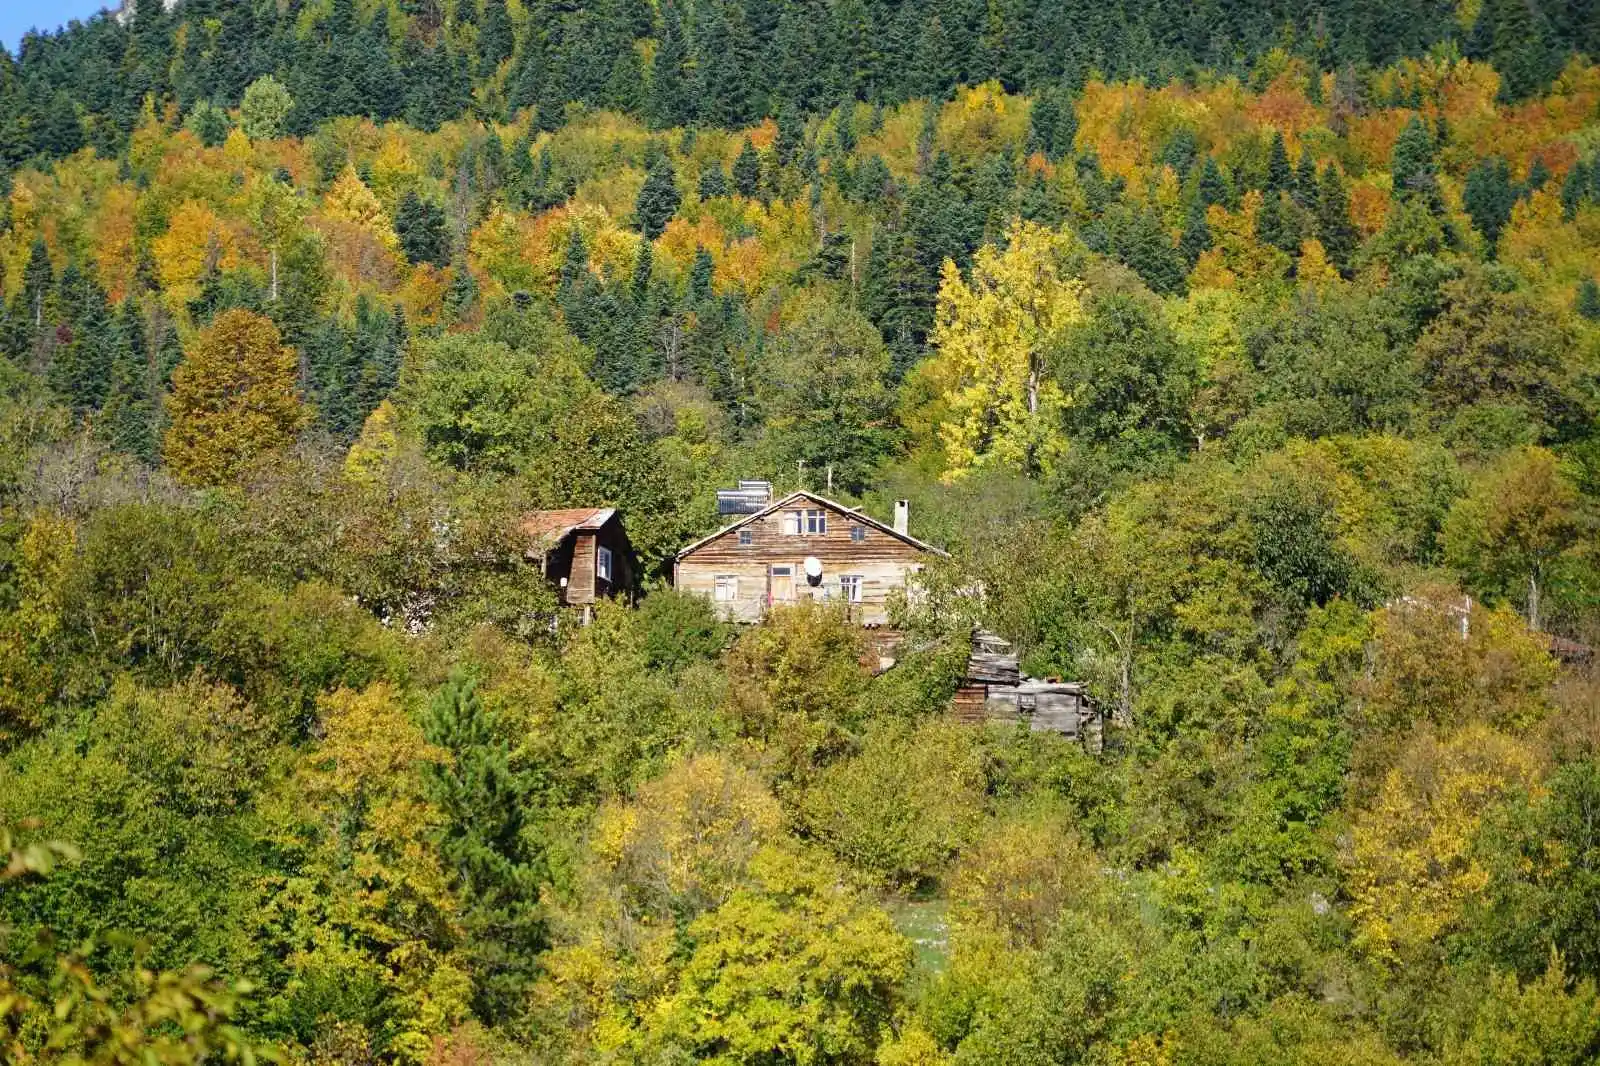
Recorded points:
(1412,166)
(1196,238)
(128,421)
(420,225)
(1305,181)
(1575,189)
(791,135)
(668,99)
(1213,187)
(38,278)
(658,199)
(713,181)
(1538,175)
(701,272)
(494,34)
(1276,224)
(1334,227)
(1588,303)
(1488,198)
(1280,176)
(488,844)
(747,170)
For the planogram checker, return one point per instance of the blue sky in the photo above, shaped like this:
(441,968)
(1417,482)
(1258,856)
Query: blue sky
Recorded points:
(19,16)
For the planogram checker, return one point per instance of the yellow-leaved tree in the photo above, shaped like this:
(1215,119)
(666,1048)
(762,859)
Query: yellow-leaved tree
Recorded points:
(233,397)
(993,334)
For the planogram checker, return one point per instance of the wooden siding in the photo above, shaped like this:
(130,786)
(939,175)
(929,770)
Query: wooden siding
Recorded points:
(580,580)
(881,560)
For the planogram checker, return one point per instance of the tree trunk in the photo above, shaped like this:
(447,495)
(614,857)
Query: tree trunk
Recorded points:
(1533,602)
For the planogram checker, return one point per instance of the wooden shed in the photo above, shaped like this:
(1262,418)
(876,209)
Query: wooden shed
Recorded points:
(996,690)
(584,552)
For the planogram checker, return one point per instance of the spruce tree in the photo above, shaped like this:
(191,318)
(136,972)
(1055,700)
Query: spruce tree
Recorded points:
(1280,176)
(667,103)
(747,170)
(791,135)
(1411,166)
(1196,238)
(713,181)
(1488,198)
(1334,228)
(658,199)
(1213,187)
(487,844)
(1588,303)
(420,226)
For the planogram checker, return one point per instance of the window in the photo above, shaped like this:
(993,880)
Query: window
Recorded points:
(791,523)
(782,571)
(747,536)
(858,533)
(727,588)
(850,588)
(602,564)
(816,521)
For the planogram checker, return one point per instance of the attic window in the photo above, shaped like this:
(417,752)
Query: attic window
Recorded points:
(747,536)
(816,521)
(791,523)
(858,533)
(602,564)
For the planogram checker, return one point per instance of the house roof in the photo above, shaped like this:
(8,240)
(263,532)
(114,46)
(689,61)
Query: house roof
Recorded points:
(549,528)
(777,505)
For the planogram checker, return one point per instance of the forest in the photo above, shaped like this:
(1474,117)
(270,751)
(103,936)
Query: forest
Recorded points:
(1244,357)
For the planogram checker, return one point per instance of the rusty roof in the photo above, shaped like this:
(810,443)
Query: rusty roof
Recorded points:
(552,527)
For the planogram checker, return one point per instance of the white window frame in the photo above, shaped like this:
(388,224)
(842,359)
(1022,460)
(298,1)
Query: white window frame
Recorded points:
(726,588)
(602,563)
(793,523)
(747,536)
(816,522)
(850,586)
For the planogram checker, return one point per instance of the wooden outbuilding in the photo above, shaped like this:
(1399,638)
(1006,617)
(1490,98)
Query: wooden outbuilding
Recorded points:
(996,690)
(584,552)
(801,547)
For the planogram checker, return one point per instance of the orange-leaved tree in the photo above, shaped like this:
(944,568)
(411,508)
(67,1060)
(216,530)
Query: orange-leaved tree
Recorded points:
(234,396)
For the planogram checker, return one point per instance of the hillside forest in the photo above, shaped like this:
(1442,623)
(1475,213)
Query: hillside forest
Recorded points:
(1243,356)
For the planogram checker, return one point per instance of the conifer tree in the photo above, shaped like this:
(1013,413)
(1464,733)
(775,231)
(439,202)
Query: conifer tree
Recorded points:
(420,226)
(713,181)
(1488,198)
(747,170)
(667,103)
(1334,227)
(1412,166)
(1588,302)
(1280,176)
(487,843)
(658,199)
(1213,187)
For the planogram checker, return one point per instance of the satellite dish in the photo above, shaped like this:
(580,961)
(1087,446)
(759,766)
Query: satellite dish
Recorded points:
(813,567)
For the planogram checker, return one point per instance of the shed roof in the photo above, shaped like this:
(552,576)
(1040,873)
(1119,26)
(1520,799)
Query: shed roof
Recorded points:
(778,505)
(549,528)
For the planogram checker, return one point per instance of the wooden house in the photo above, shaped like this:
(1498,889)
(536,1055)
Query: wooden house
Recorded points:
(801,547)
(584,552)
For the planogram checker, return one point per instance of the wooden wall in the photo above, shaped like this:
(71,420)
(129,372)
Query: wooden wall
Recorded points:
(883,562)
